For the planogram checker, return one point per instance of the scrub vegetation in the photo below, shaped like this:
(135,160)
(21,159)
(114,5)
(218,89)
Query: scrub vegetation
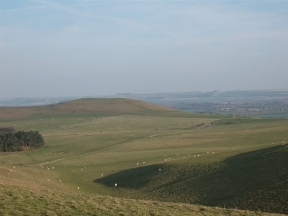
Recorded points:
(11,141)
(127,157)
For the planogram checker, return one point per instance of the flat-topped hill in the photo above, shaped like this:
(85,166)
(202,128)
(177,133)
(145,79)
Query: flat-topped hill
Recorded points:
(114,105)
(103,106)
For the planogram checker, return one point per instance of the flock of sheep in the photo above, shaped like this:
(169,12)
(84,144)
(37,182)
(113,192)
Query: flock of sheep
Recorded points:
(42,166)
(102,175)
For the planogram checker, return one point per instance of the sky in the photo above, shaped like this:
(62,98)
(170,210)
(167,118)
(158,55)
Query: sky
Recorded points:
(53,48)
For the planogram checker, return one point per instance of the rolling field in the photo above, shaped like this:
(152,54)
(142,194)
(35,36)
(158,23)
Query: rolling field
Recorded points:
(152,153)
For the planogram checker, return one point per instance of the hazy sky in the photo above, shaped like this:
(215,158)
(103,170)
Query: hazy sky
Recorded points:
(103,47)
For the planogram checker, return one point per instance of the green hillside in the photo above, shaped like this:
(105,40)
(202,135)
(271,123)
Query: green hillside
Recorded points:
(152,153)
(254,180)
(84,106)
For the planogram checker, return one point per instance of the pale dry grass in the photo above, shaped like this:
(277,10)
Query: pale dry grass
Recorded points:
(33,177)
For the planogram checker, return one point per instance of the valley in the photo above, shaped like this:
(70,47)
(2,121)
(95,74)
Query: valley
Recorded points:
(129,157)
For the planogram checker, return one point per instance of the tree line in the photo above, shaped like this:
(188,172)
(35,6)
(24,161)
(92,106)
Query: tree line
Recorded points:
(12,140)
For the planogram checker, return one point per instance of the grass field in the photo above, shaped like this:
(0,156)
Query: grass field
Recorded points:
(153,154)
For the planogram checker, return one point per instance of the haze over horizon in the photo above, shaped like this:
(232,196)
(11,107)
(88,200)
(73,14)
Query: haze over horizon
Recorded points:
(77,48)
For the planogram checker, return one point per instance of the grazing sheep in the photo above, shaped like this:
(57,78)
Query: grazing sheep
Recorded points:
(78,188)
(116,185)
(159,169)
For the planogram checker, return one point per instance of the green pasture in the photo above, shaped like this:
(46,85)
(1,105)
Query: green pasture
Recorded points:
(153,155)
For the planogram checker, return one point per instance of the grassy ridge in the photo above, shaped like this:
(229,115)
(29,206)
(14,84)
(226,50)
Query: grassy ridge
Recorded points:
(98,107)
(254,180)
(93,148)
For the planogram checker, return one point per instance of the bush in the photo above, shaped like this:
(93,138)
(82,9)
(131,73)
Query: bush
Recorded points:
(19,141)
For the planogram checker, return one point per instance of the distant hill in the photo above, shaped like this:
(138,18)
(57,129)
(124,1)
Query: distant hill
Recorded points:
(259,103)
(108,106)
(23,101)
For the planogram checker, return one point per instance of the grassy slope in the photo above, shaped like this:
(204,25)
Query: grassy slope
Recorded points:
(86,139)
(27,191)
(29,202)
(254,180)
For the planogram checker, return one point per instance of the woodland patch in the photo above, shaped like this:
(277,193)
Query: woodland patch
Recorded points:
(11,141)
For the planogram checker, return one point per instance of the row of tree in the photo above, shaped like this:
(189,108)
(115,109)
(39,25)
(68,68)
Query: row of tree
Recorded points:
(11,141)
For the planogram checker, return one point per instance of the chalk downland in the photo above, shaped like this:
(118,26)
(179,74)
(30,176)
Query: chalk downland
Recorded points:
(102,106)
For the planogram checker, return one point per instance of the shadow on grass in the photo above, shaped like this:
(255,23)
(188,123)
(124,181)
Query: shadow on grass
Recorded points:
(256,180)
(135,178)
